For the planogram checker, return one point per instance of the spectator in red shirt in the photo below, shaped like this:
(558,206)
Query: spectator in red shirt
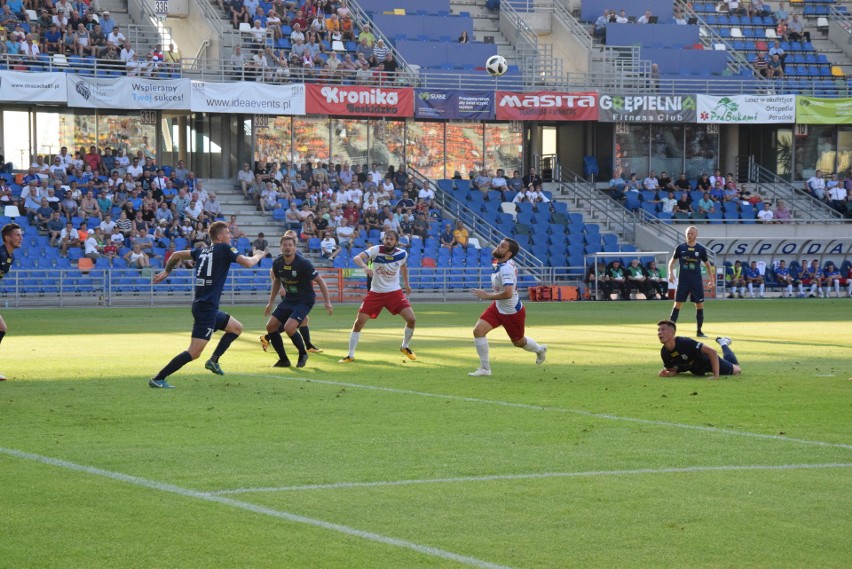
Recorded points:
(93,159)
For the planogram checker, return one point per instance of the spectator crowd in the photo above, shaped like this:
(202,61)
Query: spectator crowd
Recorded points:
(711,195)
(32,29)
(107,204)
(316,40)
(339,203)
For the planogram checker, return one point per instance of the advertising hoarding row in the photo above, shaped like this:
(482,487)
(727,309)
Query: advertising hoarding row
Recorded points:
(136,93)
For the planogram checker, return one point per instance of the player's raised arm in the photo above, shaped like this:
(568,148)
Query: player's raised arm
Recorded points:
(249,262)
(361,261)
(174,259)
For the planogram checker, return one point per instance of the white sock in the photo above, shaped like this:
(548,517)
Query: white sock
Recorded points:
(762,289)
(790,289)
(406,337)
(751,289)
(837,287)
(531,345)
(813,289)
(482,351)
(743,291)
(801,288)
(353,343)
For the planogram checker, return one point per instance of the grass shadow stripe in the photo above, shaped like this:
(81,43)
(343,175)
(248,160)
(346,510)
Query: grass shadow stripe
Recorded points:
(534,476)
(279,514)
(581,412)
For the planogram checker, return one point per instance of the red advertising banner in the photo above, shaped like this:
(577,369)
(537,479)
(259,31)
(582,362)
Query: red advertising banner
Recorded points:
(547,106)
(359,101)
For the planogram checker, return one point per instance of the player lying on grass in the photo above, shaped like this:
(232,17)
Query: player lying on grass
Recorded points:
(681,354)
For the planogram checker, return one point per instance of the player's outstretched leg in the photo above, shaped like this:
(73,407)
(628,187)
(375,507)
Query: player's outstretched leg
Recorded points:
(278,345)
(408,332)
(299,342)
(159,380)
(726,342)
(2,334)
(305,331)
(354,337)
(224,343)
(232,328)
(484,369)
(540,350)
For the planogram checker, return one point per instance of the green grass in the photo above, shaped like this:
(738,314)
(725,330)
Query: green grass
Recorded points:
(588,461)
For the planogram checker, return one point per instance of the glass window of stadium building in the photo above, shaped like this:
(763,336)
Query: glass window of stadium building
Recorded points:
(215,144)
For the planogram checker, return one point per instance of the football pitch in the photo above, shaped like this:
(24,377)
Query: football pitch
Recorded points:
(589,460)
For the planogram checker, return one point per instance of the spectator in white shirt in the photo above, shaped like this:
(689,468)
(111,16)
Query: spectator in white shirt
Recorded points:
(816,185)
(135,169)
(375,176)
(427,193)
(116,38)
(765,215)
(650,183)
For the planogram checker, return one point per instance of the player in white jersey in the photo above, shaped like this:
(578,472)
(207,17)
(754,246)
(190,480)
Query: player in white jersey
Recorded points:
(507,310)
(388,264)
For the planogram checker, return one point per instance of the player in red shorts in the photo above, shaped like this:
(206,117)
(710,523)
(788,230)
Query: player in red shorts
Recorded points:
(388,263)
(507,310)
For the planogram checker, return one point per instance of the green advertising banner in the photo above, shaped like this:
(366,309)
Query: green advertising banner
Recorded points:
(813,110)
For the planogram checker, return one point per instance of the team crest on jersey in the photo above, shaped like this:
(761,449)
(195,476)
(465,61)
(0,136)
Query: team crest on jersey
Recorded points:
(293,273)
(234,250)
(389,257)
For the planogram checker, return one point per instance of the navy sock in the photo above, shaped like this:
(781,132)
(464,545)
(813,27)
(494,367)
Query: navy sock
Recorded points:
(699,318)
(675,314)
(306,336)
(729,355)
(297,340)
(278,344)
(224,343)
(177,362)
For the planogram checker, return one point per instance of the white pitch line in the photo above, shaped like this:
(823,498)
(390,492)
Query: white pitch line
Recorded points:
(560,410)
(187,493)
(532,476)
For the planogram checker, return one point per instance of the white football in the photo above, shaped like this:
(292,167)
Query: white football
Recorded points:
(496,65)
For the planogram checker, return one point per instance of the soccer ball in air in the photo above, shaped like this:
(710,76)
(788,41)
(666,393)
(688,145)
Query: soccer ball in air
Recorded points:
(496,65)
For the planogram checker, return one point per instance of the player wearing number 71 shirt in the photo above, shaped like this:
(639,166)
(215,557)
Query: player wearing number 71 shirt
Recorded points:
(211,270)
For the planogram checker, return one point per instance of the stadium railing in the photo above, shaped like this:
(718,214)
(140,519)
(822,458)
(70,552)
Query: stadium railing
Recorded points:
(54,288)
(473,220)
(805,207)
(221,70)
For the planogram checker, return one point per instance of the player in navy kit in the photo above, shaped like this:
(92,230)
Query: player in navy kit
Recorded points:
(304,329)
(296,275)
(689,284)
(211,270)
(12,238)
(681,354)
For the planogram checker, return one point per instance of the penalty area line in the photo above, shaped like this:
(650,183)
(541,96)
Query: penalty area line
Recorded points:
(279,514)
(580,412)
(533,476)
